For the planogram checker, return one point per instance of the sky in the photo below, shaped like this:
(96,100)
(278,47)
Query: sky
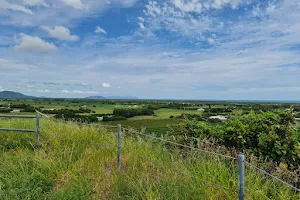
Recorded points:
(171,49)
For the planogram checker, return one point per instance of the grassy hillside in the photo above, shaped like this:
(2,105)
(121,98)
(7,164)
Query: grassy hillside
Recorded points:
(73,164)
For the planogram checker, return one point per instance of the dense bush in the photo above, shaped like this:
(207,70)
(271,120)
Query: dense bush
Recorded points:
(5,110)
(78,118)
(271,135)
(67,111)
(19,105)
(29,109)
(113,118)
(131,112)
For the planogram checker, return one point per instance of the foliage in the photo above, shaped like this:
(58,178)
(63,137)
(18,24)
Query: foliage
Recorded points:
(66,111)
(131,112)
(71,165)
(113,118)
(78,118)
(267,134)
(5,110)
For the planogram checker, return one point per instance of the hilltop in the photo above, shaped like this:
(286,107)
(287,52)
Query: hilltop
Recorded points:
(79,162)
(14,95)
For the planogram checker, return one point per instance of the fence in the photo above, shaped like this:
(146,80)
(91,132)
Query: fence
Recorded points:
(240,191)
(36,131)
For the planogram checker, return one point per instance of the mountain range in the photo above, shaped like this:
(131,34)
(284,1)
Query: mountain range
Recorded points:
(17,95)
(14,95)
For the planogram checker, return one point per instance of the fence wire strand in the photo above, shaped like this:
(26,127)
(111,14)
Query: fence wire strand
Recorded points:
(182,145)
(82,142)
(179,172)
(272,176)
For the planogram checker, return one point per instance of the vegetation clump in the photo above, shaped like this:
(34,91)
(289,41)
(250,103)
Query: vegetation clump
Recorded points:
(271,135)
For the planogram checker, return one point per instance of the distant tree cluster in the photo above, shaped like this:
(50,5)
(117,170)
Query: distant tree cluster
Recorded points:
(131,112)
(24,107)
(113,118)
(67,111)
(5,110)
(78,118)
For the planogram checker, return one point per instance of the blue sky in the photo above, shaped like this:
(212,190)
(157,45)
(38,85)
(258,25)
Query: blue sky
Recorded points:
(181,49)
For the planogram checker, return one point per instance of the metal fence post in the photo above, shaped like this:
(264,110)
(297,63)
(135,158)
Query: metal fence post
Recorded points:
(241,180)
(119,146)
(38,132)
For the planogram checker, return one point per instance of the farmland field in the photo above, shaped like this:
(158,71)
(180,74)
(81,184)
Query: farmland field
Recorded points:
(245,129)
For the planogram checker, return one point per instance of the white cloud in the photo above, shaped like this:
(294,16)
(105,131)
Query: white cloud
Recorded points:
(61,33)
(141,19)
(79,92)
(33,43)
(188,6)
(232,3)
(35,3)
(123,3)
(141,25)
(106,85)
(84,84)
(100,30)
(77,4)
(15,7)
(211,41)
(43,91)
(15,65)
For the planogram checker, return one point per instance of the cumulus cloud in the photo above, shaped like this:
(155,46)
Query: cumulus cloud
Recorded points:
(4,4)
(33,43)
(100,30)
(77,4)
(106,85)
(61,33)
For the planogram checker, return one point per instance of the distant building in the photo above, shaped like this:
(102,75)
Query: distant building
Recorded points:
(288,109)
(15,111)
(220,117)
(100,118)
(201,109)
(83,106)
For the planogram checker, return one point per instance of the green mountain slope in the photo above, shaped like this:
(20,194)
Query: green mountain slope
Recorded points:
(13,95)
(79,162)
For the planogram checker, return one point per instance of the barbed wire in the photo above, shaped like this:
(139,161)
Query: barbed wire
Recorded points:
(82,142)
(179,172)
(272,176)
(182,145)
(174,143)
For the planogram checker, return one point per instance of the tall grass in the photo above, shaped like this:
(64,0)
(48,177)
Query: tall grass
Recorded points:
(79,162)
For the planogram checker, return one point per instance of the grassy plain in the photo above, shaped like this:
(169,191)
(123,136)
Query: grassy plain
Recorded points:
(72,164)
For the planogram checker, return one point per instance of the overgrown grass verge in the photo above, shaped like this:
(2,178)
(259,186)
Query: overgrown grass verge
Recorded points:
(79,162)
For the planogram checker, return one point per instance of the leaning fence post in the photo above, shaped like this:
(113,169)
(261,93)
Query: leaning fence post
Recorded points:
(119,146)
(241,180)
(37,132)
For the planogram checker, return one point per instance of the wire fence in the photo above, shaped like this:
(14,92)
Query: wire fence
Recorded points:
(240,160)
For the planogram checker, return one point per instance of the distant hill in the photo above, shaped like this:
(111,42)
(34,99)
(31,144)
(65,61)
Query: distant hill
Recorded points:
(121,97)
(13,95)
(95,97)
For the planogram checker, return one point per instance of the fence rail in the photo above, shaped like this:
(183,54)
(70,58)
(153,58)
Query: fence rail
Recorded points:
(36,131)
